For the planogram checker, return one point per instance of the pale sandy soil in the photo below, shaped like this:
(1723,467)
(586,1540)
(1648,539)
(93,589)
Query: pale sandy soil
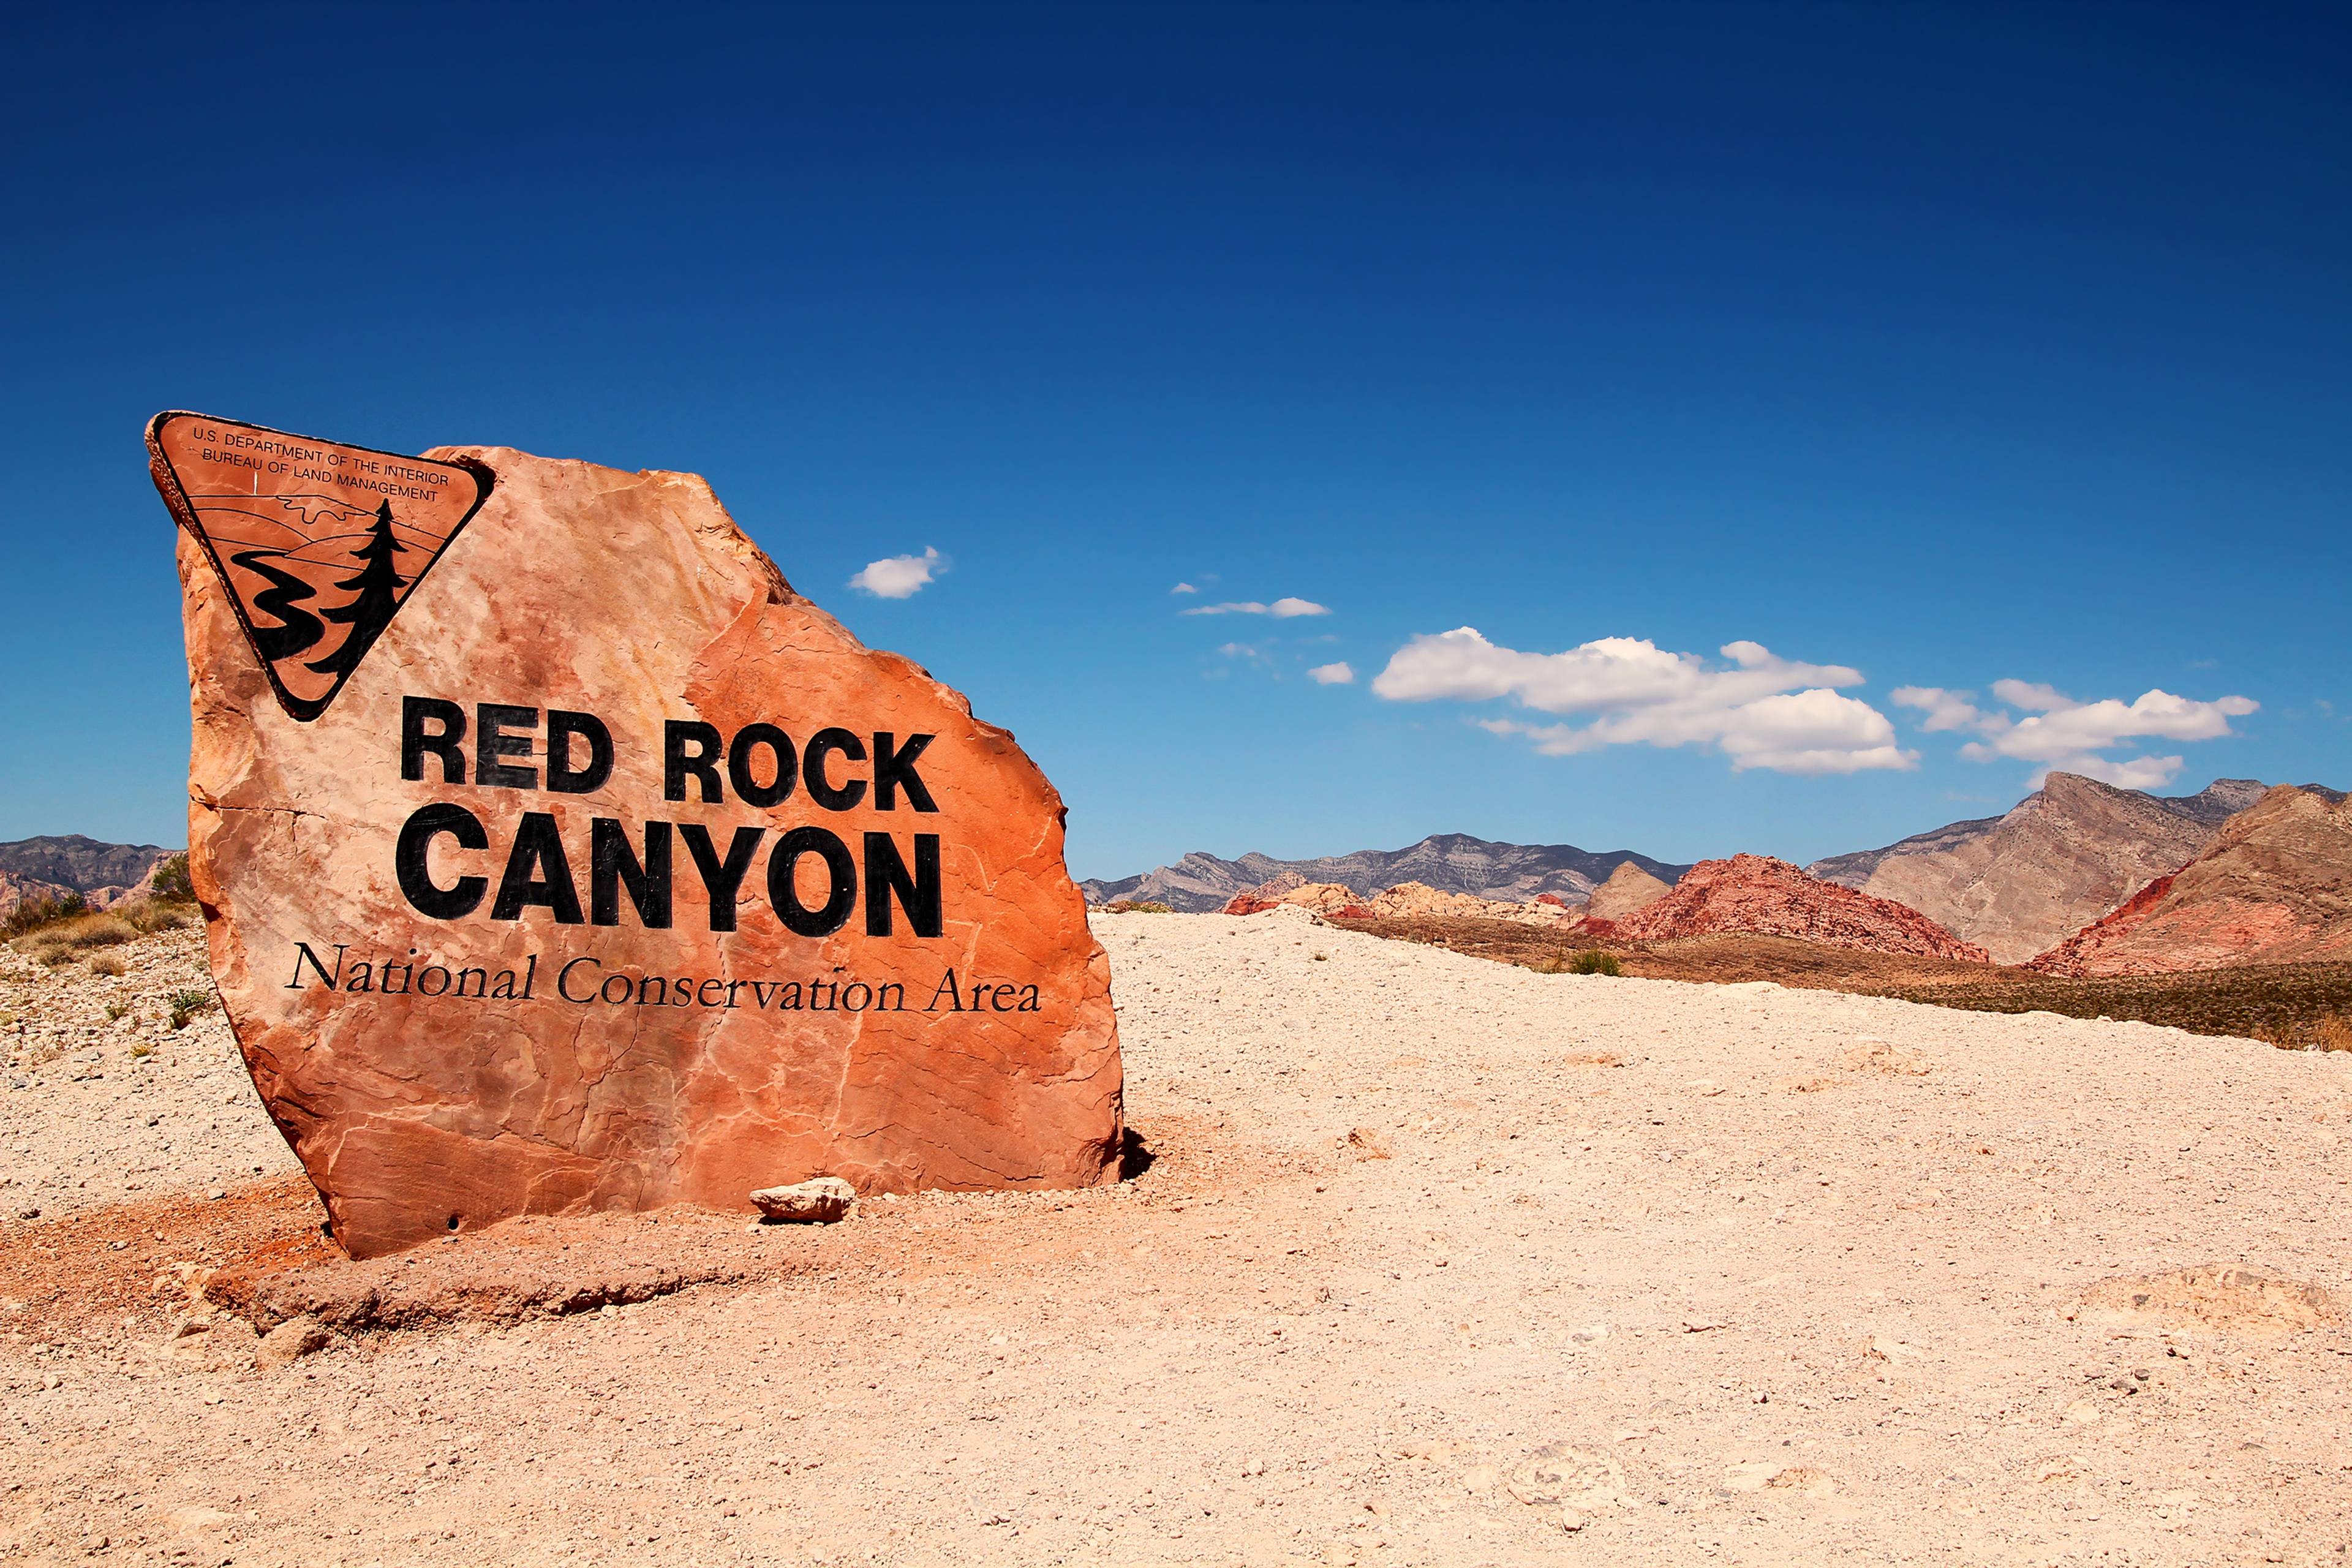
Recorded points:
(1798,1281)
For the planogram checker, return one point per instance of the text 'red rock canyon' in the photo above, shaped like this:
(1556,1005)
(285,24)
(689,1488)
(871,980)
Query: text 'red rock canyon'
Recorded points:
(557,856)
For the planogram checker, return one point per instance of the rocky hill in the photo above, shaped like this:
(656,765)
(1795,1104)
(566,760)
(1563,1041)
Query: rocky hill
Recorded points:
(2274,886)
(1628,889)
(1449,862)
(1757,895)
(2061,858)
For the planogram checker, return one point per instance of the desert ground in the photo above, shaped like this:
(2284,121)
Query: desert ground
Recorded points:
(1424,1259)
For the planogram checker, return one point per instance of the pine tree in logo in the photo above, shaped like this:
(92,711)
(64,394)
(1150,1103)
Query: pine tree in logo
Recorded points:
(375,593)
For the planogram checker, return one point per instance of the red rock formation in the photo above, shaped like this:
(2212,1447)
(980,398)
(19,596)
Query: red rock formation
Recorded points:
(1327,899)
(902,993)
(2069,957)
(2018,882)
(2273,886)
(1552,899)
(1764,897)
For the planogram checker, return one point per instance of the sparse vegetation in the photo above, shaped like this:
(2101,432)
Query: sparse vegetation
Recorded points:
(34,914)
(148,916)
(2298,1006)
(1147,907)
(171,881)
(107,965)
(2328,1032)
(1595,960)
(60,941)
(117,1011)
(187,1004)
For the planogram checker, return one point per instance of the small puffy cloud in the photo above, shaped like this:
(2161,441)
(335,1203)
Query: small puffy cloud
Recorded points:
(1339,673)
(899,576)
(1281,610)
(1183,588)
(1764,711)
(2031,696)
(2059,733)
(1940,710)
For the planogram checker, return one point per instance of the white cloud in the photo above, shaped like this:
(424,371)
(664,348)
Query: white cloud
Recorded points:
(1763,712)
(899,576)
(1183,588)
(1943,709)
(1339,673)
(1281,610)
(2060,733)
(2031,696)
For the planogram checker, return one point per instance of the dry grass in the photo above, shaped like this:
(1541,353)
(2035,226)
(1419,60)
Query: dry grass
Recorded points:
(61,941)
(2297,1007)
(150,916)
(109,966)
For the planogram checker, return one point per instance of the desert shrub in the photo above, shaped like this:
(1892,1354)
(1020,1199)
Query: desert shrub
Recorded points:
(34,914)
(1549,964)
(2332,1032)
(115,1010)
(83,931)
(171,884)
(148,916)
(108,964)
(187,1004)
(1147,907)
(1593,960)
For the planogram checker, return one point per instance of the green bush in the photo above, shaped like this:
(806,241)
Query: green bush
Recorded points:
(187,1004)
(1592,961)
(171,884)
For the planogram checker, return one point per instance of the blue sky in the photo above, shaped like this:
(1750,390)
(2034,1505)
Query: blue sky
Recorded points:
(1898,351)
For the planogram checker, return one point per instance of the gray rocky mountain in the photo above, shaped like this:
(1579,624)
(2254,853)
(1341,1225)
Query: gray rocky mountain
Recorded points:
(1450,862)
(2057,861)
(84,865)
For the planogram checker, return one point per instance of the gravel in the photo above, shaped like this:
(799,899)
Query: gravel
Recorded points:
(1721,1273)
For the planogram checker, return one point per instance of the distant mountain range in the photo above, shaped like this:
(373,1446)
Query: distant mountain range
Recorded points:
(51,868)
(2052,863)
(81,864)
(1450,862)
(2274,886)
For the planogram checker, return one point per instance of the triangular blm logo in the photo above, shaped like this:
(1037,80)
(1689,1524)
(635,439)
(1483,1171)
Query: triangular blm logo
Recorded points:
(319,545)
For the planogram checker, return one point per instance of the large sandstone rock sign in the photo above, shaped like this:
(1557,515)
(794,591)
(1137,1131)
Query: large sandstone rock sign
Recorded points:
(556,855)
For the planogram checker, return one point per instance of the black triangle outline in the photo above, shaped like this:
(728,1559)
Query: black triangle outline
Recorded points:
(175,497)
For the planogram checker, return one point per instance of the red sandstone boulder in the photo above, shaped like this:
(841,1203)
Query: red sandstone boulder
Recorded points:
(1757,895)
(556,856)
